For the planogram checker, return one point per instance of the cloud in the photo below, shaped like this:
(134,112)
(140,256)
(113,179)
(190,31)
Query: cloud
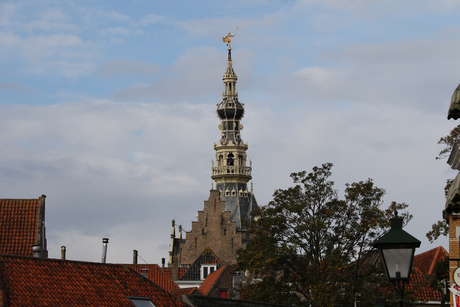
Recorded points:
(105,165)
(14,87)
(188,79)
(114,68)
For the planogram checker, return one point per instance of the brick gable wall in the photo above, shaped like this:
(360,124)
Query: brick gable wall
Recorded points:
(215,230)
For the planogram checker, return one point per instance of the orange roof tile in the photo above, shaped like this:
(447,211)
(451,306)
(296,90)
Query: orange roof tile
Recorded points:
(156,275)
(181,271)
(423,266)
(19,225)
(420,285)
(30,281)
(207,284)
(426,261)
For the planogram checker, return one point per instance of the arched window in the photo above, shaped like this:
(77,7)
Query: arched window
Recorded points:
(230,159)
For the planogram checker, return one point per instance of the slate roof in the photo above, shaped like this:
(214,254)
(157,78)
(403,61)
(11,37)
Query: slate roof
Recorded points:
(155,274)
(20,225)
(207,257)
(30,281)
(206,301)
(209,282)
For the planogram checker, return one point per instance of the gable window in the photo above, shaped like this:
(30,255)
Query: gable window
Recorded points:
(223,293)
(141,301)
(207,269)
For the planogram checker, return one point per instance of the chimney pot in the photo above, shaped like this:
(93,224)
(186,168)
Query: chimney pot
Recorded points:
(104,249)
(63,250)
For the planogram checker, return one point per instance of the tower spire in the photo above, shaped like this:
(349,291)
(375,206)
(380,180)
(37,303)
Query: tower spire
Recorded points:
(231,172)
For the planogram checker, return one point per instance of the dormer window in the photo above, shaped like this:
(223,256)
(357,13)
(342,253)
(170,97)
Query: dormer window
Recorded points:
(233,192)
(207,269)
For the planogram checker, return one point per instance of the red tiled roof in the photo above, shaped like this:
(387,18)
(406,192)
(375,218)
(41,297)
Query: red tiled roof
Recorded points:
(423,266)
(18,226)
(156,275)
(30,281)
(420,285)
(207,284)
(178,293)
(180,272)
(426,261)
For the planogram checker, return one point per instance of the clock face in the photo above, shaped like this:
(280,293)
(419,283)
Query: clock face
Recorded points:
(457,276)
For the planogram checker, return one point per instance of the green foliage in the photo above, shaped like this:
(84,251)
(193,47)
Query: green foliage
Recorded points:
(440,278)
(441,228)
(312,248)
(449,140)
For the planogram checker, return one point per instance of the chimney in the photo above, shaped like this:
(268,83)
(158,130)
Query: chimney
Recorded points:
(134,256)
(163,263)
(175,269)
(145,273)
(37,249)
(104,249)
(63,250)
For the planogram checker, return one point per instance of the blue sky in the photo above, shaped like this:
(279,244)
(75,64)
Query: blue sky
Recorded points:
(108,107)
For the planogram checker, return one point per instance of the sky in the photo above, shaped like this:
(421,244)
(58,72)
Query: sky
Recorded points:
(108,107)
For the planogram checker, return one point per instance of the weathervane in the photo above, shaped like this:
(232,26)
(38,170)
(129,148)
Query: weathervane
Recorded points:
(228,39)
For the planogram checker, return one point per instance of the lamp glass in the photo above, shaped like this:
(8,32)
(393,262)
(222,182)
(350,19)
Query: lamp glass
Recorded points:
(398,260)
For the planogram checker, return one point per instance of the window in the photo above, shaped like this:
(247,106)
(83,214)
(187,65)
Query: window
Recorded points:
(141,301)
(207,269)
(223,293)
(230,159)
(203,232)
(225,232)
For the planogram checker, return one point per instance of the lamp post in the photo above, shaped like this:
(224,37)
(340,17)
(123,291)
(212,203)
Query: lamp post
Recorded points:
(397,249)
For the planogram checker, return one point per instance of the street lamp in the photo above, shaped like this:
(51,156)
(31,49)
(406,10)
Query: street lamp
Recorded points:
(397,249)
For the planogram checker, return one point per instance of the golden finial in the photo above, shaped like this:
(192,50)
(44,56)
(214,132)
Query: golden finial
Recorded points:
(228,39)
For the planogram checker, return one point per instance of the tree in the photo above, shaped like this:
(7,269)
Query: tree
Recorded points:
(441,228)
(312,248)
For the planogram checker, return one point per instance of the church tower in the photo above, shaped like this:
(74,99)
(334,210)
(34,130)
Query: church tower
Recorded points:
(222,225)
(231,172)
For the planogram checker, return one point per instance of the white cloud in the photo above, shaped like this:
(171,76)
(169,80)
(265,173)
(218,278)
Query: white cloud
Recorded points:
(115,68)
(11,86)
